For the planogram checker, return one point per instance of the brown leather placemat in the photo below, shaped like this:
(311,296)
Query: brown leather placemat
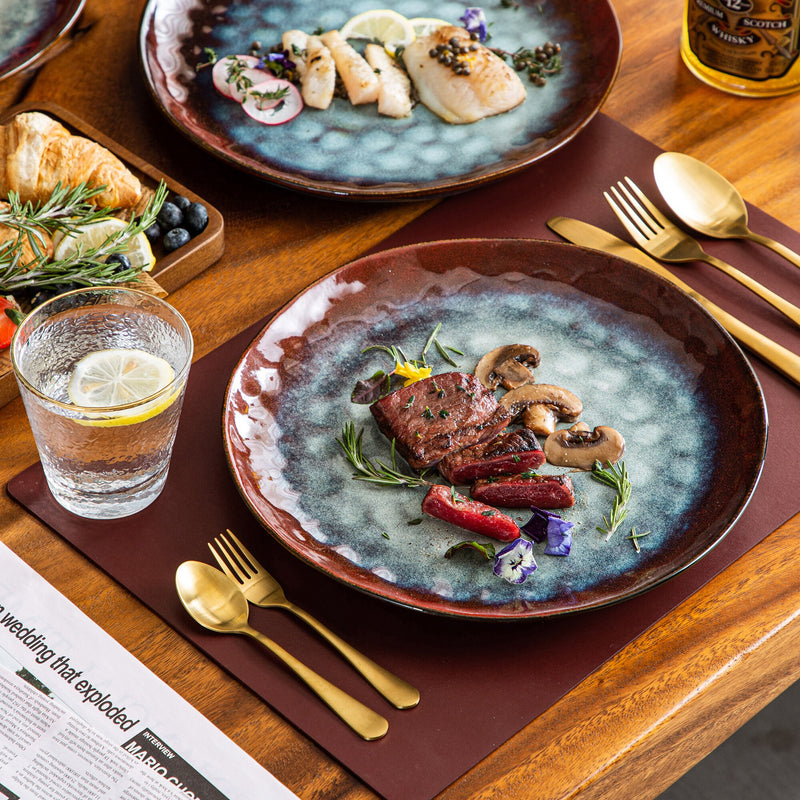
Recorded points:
(463,669)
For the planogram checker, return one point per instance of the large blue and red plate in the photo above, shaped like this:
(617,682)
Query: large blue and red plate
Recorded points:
(644,357)
(353,152)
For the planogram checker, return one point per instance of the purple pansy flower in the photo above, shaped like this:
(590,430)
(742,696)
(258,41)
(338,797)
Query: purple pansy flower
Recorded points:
(475,22)
(281,60)
(546,525)
(515,561)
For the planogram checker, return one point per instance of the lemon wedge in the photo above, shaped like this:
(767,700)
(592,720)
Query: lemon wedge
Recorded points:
(387,27)
(94,234)
(424,25)
(117,377)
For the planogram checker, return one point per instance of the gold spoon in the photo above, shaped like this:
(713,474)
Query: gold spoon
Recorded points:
(707,202)
(215,601)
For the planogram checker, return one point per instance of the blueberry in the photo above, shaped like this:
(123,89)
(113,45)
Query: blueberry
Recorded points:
(153,233)
(195,218)
(175,238)
(170,216)
(121,260)
(182,202)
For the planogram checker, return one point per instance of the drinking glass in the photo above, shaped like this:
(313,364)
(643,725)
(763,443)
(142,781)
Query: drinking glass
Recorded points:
(112,461)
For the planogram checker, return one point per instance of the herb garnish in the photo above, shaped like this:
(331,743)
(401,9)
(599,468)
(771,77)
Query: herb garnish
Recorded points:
(404,370)
(617,479)
(486,550)
(634,537)
(66,210)
(540,63)
(377,471)
(442,349)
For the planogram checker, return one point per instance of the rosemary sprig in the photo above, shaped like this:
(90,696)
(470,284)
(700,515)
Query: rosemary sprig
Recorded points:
(442,349)
(634,537)
(377,471)
(395,353)
(617,479)
(65,210)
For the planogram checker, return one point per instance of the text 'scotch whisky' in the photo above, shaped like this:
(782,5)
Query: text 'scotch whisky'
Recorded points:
(746,47)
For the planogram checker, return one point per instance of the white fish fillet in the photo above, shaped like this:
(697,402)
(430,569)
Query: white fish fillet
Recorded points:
(492,87)
(394,95)
(295,43)
(320,78)
(359,80)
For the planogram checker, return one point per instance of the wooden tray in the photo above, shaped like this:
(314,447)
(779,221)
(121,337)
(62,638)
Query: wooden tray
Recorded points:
(172,270)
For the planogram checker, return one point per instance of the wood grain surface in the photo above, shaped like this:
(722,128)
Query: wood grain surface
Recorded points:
(645,717)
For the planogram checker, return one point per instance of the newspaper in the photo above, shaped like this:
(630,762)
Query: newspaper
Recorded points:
(82,719)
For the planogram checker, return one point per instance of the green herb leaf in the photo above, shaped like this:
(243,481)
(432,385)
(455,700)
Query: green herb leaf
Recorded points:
(634,537)
(617,479)
(485,550)
(377,471)
(65,210)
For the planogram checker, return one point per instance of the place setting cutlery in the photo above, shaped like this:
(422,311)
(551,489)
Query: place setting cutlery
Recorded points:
(218,600)
(261,589)
(704,200)
(587,235)
(664,240)
(707,202)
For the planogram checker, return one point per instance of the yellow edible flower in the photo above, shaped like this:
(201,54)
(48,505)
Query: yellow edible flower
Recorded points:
(411,372)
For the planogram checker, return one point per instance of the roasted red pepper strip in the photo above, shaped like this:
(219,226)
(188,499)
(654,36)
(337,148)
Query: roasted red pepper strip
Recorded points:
(446,504)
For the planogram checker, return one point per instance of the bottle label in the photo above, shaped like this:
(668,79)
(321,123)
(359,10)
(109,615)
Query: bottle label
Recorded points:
(753,39)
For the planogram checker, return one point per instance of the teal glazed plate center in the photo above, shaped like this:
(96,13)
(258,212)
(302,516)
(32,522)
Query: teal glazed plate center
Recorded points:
(643,357)
(351,151)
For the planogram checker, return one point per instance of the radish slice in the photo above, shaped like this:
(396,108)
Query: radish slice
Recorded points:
(273,102)
(233,75)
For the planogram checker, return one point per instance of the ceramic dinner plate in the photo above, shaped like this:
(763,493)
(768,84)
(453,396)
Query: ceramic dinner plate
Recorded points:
(29,28)
(643,357)
(352,152)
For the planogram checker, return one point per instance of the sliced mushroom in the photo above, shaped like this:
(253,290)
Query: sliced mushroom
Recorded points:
(508,366)
(580,447)
(541,406)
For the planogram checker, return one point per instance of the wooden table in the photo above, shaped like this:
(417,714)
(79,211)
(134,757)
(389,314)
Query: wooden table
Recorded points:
(666,700)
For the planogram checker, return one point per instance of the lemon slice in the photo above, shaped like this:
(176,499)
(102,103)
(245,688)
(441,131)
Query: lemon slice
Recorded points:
(117,377)
(385,26)
(424,25)
(94,234)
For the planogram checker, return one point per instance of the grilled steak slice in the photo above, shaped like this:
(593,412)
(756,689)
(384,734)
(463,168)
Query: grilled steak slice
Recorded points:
(509,453)
(446,504)
(433,416)
(522,491)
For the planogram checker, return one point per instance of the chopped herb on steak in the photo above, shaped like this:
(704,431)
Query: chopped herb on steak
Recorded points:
(437,415)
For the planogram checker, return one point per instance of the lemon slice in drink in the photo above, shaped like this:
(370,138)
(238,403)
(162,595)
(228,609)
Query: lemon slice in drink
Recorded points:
(117,377)
(384,26)
(424,25)
(92,235)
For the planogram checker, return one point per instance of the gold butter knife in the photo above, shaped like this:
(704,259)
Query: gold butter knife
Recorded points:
(582,233)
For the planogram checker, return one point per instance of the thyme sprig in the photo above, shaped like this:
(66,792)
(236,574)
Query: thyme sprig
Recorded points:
(616,478)
(66,210)
(377,471)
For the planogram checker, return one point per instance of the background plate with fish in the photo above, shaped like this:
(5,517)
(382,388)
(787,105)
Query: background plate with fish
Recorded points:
(644,358)
(352,152)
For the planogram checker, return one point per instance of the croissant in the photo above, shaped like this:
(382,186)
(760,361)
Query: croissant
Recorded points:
(27,254)
(36,153)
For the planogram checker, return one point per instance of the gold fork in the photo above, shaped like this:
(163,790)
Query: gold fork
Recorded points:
(660,237)
(261,589)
